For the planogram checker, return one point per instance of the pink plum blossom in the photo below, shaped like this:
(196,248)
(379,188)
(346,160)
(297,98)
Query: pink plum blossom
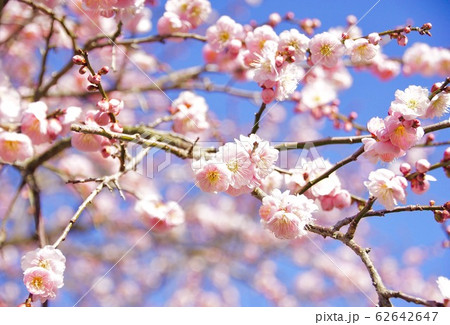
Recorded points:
(189,112)
(326,49)
(238,162)
(87,142)
(223,32)
(402,134)
(256,40)
(43,272)
(171,23)
(194,11)
(34,122)
(212,176)
(286,215)
(15,147)
(40,283)
(293,43)
(287,80)
(159,216)
(264,67)
(360,50)
(388,188)
(411,103)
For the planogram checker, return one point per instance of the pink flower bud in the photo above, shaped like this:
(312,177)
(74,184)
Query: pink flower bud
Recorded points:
(407,30)
(92,88)
(83,70)
(78,60)
(416,123)
(115,127)
(351,20)
(279,60)
(342,200)
(436,86)
(115,106)
(54,128)
(345,36)
(348,126)
(289,15)
(103,105)
(427,26)
(235,46)
(430,138)
(447,154)
(102,118)
(353,116)
(374,38)
(402,40)
(419,187)
(95,79)
(104,70)
(296,96)
(405,168)
(274,19)
(267,95)
(316,23)
(327,203)
(423,165)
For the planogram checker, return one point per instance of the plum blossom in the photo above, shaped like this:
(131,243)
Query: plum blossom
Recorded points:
(193,11)
(317,93)
(388,188)
(360,50)
(34,122)
(159,216)
(256,40)
(326,49)
(264,67)
(221,35)
(411,103)
(15,147)
(293,43)
(189,113)
(211,176)
(444,286)
(439,105)
(238,162)
(43,272)
(108,8)
(171,23)
(287,81)
(286,215)
(402,133)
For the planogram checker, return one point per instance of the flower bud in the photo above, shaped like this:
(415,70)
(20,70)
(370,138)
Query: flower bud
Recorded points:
(407,30)
(103,70)
(95,79)
(402,40)
(83,69)
(289,15)
(351,20)
(267,95)
(274,19)
(92,88)
(374,38)
(102,118)
(115,106)
(115,127)
(405,168)
(78,60)
(423,165)
(447,154)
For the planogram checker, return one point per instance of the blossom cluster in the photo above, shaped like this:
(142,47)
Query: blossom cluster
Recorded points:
(37,126)
(159,216)
(388,188)
(328,191)
(189,113)
(105,117)
(421,182)
(237,168)
(109,8)
(183,15)
(286,215)
(274,61)
(43,272)
(401,129)
(426,60)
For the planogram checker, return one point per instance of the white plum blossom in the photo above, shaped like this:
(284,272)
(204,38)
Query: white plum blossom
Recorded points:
(438,106)
(444,286)
(286,215)
(388,188)
(411,103)
(293,39)
(360,50)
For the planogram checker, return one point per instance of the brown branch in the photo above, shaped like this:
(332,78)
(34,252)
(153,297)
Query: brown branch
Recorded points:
(257,119)
(44,60)
(321,142)
(435,166)
(440,89)
(343,162)
(35,201)
(354,223)
(416,300)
